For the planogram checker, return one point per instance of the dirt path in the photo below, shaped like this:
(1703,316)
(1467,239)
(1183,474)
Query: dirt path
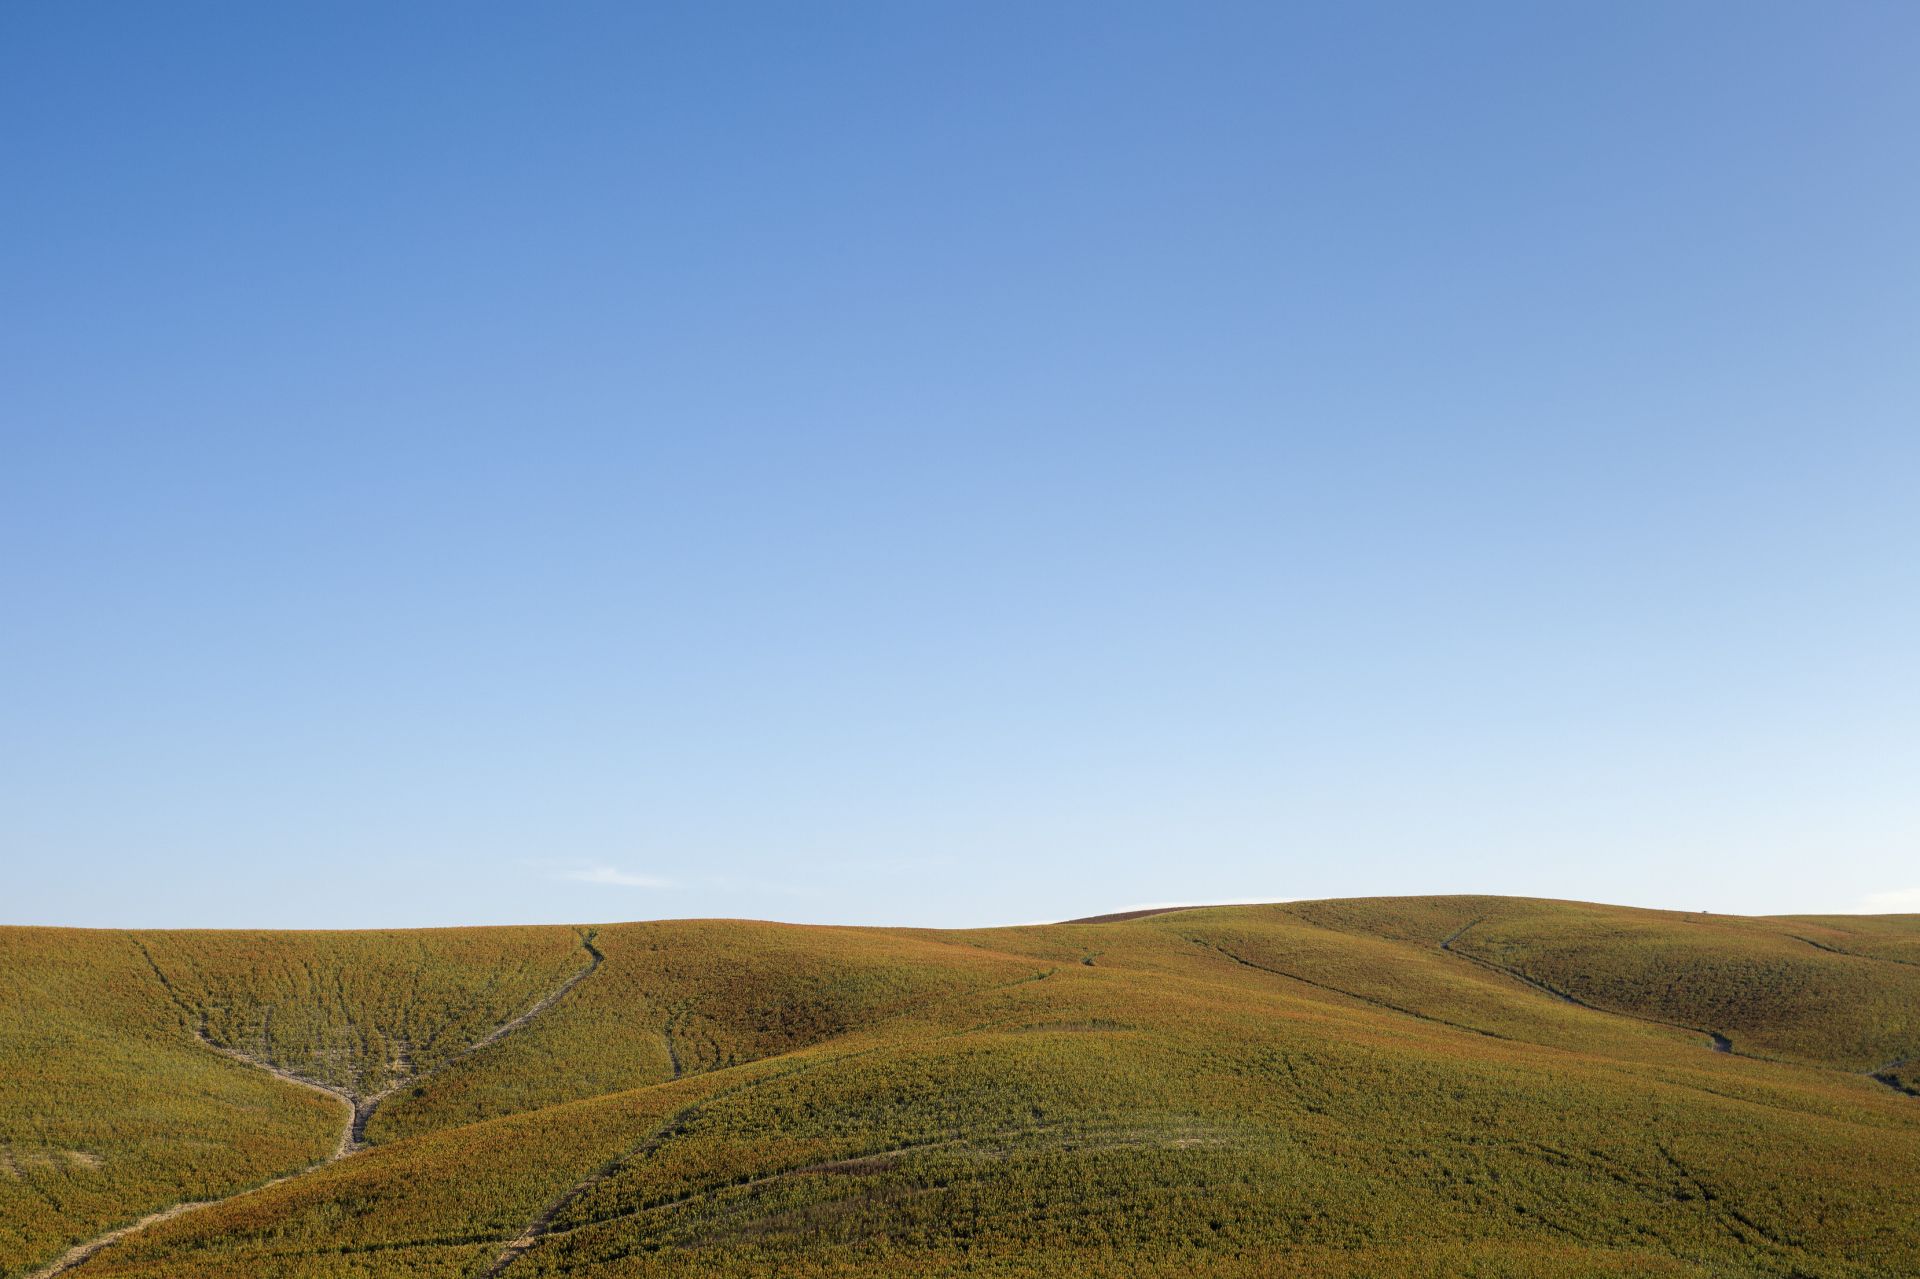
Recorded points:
(542,1225)
(558,993)
(672,1126)
(353,1132)
(81,1251)
(341,1095)
(1853,954)
(542,1228)
(1884,1075)
(672,1041)
(1351,994)
(1715,1040)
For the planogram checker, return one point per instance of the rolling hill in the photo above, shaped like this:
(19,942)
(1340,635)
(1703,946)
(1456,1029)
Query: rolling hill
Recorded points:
(1383,1087)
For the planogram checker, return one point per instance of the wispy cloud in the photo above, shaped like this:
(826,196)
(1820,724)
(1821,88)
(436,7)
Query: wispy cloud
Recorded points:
(613,875)
(1898,901)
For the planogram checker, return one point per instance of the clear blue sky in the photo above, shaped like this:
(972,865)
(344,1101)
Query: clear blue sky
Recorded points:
(953,464)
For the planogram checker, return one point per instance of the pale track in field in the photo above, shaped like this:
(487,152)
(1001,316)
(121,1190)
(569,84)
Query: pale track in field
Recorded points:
(353,1132)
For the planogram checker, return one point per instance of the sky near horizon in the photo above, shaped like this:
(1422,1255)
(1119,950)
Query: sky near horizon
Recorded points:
(955,464)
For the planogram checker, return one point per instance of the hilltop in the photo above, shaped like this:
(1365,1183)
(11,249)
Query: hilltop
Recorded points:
(1432,1086)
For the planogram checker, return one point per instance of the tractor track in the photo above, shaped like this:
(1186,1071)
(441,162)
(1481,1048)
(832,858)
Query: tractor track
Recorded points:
(1716,1041)
(675,1124)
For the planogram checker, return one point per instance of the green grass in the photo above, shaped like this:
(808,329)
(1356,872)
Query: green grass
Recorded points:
(1306,1089)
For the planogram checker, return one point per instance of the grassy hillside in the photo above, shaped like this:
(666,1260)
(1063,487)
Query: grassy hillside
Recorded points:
(1432,1086)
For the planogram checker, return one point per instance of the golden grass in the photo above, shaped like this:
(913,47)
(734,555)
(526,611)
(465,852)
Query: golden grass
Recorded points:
(1309,1089)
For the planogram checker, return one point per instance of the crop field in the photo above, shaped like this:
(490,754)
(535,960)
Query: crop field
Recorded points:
(1437,1087)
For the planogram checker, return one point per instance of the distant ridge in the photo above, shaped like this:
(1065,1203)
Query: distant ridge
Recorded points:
(1121,916)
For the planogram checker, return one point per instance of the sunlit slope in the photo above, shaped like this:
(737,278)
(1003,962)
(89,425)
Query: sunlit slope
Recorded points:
(107,1107)
(693,996)
(1434,1086)
(116,1099)
(1892,937)
(1831,992)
